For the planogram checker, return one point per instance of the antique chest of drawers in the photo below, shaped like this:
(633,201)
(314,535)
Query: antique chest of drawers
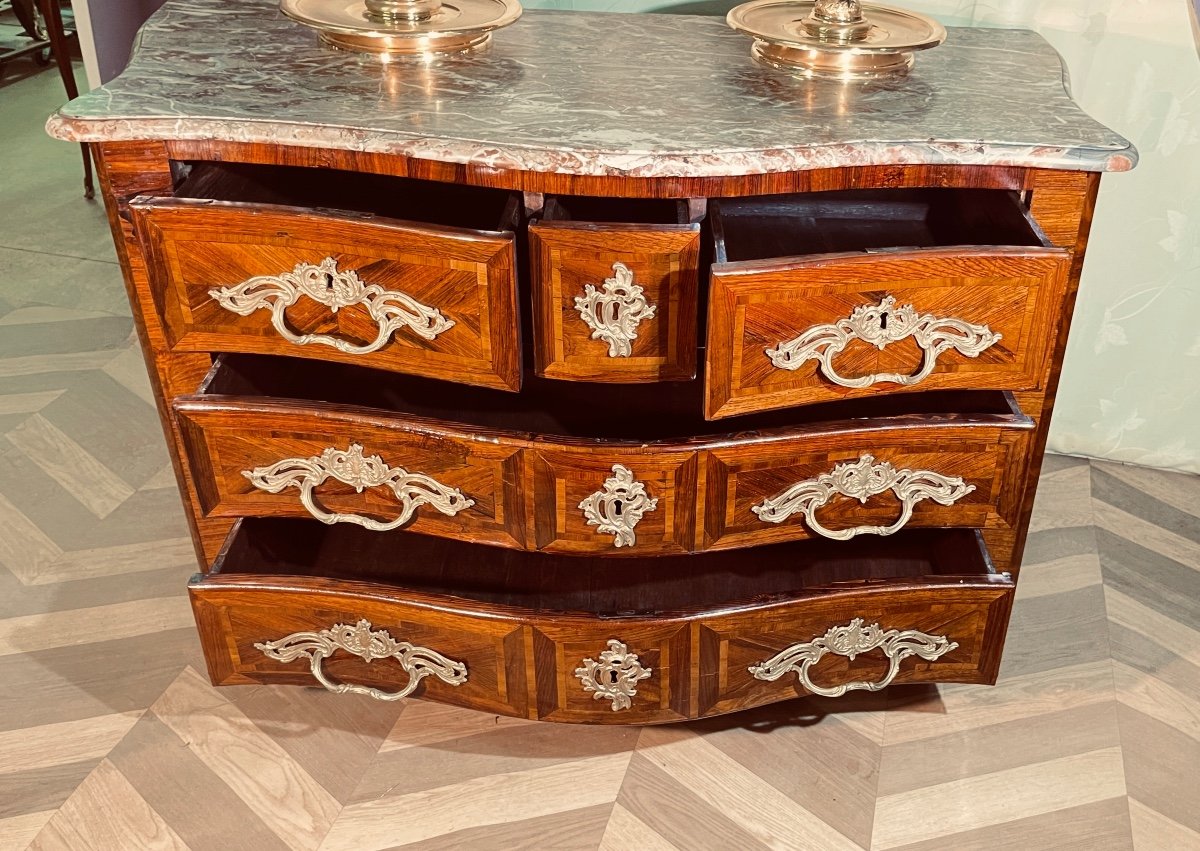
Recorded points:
(620,386)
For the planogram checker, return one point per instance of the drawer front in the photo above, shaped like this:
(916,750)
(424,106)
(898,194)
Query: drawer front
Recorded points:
(608,501)
(615,302)
(865,481)
(301,631)
(815,329)
(624,672)
(259,458)
(418,299)
(297,603)
(262,459)
(940,632)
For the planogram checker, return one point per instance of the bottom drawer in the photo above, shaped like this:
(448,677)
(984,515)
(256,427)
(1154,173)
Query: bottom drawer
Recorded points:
(613,640)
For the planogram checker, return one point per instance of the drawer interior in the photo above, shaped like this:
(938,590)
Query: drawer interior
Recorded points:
(861,220)
(582,208)
(562,408)
(446,204)
(539,582)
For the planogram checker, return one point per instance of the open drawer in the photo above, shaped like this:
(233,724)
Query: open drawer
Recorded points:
(569,474)
(404,275)
(840,294)
(619,641)
(615,289)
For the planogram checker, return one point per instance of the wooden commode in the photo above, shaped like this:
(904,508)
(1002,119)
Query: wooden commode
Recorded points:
(627,385)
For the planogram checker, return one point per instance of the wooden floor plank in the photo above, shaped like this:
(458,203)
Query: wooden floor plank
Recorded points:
(260,772)
(106,812)
(495,800)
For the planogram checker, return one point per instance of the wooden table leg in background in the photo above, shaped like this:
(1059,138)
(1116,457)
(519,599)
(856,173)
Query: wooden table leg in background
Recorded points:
(52,13)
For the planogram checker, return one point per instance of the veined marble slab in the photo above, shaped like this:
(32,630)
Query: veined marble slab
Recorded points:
(591,94)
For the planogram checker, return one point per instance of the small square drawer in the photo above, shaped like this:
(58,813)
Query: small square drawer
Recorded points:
(433,295)
(834,295)
(612,499)
(577,661)
(614,289)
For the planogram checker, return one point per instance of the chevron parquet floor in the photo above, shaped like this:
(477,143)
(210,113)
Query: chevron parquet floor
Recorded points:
(111,739)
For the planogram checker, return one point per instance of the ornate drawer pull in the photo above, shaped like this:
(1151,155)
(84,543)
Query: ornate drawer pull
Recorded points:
(368,645)
(849,641)
(880,325)
(861,480)
(614,314)
(326,285)
(617,508)
(351,467)
(614,677)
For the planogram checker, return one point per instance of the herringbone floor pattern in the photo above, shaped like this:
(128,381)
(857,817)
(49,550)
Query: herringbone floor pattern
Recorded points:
(112,739)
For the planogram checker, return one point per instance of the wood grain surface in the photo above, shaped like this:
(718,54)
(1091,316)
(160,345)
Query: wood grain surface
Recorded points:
(568,254)
(195,246)
(1010,256)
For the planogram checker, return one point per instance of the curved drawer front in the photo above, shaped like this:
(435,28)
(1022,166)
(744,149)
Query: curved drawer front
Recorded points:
(867,481)
(380,293)
(612,500)
(305,631)
(510,633)
(853,640)
(615,302)
(355,637)
(797,331)
(256,458)
(252,457)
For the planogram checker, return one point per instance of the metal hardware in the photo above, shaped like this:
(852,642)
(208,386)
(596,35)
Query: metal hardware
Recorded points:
(368,645)
(324,284)
(841,39)
(881,325)
(614,677)
(861,480)
(360,471)
(849,641)
(619,506)
(615,313)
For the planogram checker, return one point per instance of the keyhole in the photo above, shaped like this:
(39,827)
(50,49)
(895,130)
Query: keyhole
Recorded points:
(618,507)
(612,677)
(883,320)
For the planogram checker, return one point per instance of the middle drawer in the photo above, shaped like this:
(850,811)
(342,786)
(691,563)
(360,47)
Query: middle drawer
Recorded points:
(511,478)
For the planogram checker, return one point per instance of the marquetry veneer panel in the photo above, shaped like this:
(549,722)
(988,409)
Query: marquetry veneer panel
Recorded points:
(466,278)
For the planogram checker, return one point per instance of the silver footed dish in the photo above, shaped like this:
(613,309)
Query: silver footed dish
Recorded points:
(837,39)
(404,27)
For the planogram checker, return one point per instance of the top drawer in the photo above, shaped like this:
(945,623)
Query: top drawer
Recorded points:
(273,279)
(615,289)
(832,295)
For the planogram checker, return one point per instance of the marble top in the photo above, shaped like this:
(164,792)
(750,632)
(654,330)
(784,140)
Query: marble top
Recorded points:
(591,94)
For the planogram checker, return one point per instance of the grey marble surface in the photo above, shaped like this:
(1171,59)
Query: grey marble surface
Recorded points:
(591,94)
